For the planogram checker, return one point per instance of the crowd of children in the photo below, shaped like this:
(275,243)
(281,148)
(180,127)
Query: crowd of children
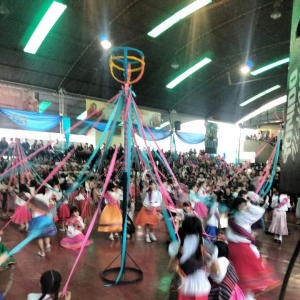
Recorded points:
(206,193)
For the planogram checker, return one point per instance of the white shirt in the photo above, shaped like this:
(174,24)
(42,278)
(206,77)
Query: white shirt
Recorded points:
(120,193)
(274,201)
(80,197)
(223,266)
(32,296)
(245,219)
(43,198)
(20,201)
(213,220)
(253,197)
(286,206)
(156,199)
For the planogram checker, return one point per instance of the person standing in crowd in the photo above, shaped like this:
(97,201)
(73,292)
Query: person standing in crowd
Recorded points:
(148,215)
(224,284)
(279,226)
(25,145)
(191,263)
(41,225)
(253,275)
(22,215)
(83,204)
(197,203)
(111,216)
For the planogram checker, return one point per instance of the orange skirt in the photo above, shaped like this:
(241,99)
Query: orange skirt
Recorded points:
(147,217)
(110,219)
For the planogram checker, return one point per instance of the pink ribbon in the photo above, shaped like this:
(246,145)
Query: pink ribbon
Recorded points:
(88,233)
(54,171)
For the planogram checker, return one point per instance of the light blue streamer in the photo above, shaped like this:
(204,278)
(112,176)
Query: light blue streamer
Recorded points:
(34,234)
(82,172)
(265,192)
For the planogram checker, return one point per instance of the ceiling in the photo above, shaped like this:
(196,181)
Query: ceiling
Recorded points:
(71,57)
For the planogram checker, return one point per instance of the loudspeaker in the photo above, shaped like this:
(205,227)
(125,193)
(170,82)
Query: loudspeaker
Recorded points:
(177,125)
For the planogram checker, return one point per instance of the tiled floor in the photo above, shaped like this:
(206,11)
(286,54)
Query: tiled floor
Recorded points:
(86,282)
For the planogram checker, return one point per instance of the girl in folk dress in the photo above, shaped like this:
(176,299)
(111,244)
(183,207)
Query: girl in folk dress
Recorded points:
(148,215)
(22,215)
(63,213)
(213,220)
(83,204)
(279,225)
(42,221)
(197,202)
(111,216)
(74,237)
(253,275)
(224,284)
(193,264)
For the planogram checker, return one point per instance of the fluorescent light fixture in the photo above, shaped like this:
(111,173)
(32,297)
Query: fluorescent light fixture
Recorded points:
(276,87)
(262,109)
(49,19)
(188,72)
(184,12)
(82,116)
(43,106)
(270,66)
(163,125)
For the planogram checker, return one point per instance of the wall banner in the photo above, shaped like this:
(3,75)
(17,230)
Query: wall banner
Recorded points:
(20,99)
(153,119)
(211,138)
(290,159)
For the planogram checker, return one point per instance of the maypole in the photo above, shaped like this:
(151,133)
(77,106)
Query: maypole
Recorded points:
(128,61)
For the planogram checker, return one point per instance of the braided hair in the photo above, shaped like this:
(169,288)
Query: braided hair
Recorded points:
(50,283)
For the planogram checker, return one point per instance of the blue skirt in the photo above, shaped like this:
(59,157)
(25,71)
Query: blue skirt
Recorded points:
(212,232)
(42,227)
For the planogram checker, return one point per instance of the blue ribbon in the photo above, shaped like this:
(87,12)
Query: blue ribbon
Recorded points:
(265,191)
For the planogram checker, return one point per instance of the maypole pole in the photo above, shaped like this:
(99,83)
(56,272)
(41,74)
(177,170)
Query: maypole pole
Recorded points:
(127,61)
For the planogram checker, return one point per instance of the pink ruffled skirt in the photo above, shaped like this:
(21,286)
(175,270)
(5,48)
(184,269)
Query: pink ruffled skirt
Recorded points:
(21,215)
(74,243)
(278,225)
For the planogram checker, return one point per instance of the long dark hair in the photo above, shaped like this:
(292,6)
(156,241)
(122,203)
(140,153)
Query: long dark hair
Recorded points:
(235,206)
(23,188)
(192,225)
(149,191)
(50,283)
(222,249)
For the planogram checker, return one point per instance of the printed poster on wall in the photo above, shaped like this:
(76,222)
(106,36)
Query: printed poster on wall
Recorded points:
(211,138)
(152,119)
(20,99)
(290,157)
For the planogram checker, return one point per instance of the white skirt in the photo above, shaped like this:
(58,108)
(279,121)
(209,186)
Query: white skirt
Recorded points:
(278,225)
(195,284)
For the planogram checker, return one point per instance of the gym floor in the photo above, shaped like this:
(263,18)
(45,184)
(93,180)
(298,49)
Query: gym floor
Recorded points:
(152,259)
